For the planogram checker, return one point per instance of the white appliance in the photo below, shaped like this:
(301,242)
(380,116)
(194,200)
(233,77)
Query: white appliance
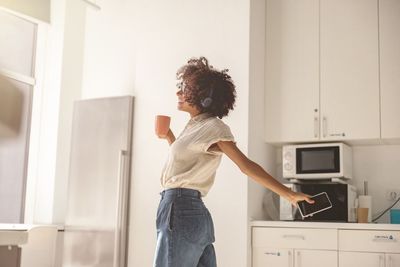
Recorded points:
(317,161)
(342,196)
(96,226)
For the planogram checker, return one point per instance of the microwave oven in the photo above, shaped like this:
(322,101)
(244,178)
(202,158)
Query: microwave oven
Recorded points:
(342,196)
(317,161)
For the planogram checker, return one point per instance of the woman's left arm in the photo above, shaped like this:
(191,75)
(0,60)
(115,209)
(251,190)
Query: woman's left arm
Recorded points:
(257,173)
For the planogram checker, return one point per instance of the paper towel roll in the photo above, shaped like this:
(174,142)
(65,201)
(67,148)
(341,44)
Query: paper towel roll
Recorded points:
(365,201)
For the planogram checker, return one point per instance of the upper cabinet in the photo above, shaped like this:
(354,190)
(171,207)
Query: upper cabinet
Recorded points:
(322,70)
(292,70)
(349,59)
(389,35)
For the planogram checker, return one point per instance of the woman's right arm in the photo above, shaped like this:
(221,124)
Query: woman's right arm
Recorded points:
(170,137)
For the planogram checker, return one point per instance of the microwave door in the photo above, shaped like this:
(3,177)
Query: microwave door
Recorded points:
(321,162)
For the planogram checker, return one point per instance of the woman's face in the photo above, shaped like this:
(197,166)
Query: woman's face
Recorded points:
(182,104)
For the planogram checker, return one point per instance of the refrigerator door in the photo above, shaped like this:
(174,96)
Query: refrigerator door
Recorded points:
(96,220)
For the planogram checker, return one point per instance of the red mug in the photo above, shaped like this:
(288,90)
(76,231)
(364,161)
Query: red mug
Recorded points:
(162,125)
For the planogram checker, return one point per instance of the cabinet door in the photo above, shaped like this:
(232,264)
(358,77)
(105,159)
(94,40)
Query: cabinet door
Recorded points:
(314,258)
(349,70)
(268,257)
(292,70)
(392,260)
(351,259)
(389,35)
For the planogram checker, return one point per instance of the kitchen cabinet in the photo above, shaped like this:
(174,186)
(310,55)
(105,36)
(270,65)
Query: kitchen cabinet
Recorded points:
(351,259)
(369,248)
(314,258)
(322,71)
(294,247)
(293,258)
(392,260)
(349,70)
(292,70)
(299,244)
(389,36)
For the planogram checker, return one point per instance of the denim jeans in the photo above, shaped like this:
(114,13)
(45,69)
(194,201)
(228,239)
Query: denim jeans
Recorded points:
(185,231)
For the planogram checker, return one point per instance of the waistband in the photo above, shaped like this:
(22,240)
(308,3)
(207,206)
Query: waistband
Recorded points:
(181,192)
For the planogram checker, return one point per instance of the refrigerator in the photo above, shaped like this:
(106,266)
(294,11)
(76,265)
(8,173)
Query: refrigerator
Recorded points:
(96,223)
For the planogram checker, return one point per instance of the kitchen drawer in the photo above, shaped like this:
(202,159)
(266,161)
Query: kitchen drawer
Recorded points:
(369,241)
(297,238)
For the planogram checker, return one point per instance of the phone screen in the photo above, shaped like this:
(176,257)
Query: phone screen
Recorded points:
(321,203)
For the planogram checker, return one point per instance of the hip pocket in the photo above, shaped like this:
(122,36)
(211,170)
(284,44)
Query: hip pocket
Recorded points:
(193,224)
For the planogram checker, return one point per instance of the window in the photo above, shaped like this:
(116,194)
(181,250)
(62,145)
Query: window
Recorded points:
(17,62)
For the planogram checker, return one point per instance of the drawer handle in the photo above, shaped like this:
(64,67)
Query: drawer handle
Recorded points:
(294,237)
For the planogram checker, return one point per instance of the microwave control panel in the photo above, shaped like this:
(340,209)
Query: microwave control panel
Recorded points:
(288,161)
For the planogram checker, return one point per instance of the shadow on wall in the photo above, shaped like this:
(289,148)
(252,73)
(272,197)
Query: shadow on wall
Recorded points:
(11,105)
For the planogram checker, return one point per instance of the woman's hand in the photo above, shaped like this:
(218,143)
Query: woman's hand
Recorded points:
(170,137)
(163,136)
(297,196)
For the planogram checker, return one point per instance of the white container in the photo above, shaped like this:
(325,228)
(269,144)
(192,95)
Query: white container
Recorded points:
(365,201)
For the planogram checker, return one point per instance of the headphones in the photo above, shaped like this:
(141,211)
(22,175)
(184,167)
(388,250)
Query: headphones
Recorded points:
(206,102)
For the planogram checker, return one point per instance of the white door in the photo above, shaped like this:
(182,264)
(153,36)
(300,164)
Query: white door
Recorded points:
(315,258)
(268,257)
(392,260)
(389,35)
(292,70)
(351,259)
(349,70)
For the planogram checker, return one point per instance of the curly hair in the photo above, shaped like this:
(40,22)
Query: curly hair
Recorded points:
(201,80)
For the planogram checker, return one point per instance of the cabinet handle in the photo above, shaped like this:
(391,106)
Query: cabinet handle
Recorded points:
(324,126)
(120,232)
(316,125)
(294,237)
(290,258)
(298,259)
(381,261)
(389,261)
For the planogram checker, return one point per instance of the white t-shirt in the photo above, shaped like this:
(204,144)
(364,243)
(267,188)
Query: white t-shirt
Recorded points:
(190,163)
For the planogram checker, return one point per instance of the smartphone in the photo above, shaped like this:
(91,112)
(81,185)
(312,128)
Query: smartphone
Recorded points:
(321,203)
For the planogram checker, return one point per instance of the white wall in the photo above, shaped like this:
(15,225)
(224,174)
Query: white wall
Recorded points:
(168,34)
(160,36)
(379,165)
(70,90)
(109,58)
(258,150)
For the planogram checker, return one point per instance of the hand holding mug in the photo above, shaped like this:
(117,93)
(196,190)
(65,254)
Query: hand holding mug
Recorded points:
(162,125)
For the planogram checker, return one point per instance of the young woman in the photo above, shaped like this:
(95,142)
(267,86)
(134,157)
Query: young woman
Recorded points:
(185,231)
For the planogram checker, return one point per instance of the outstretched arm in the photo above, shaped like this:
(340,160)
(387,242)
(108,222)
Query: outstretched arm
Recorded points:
(257,173)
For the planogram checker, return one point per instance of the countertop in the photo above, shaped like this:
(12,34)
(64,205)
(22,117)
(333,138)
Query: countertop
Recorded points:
(327,225)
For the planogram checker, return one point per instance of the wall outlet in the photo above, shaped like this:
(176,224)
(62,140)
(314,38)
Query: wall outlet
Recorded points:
(393,194)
